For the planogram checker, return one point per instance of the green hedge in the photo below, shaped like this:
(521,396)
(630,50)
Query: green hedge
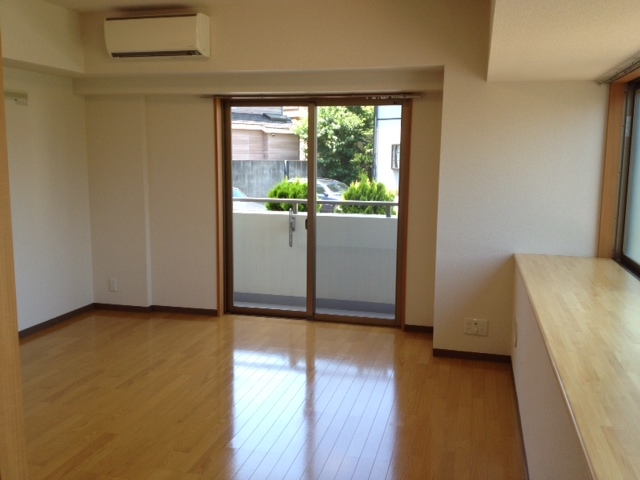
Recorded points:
(362,190)
(366,190)
(288,189)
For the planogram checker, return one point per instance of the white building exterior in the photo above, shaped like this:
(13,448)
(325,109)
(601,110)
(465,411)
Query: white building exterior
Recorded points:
(387,146)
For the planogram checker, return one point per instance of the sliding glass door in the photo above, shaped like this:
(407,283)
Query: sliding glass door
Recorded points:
(313,206)
(269,239)
(356,243)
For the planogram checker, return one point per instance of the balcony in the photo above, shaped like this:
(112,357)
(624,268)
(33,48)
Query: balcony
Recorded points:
(355,260)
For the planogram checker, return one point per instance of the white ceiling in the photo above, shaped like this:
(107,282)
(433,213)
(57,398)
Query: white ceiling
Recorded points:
(563,39)
(113,5)
(530,39)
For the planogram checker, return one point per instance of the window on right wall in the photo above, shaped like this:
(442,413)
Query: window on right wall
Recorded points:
(628,236)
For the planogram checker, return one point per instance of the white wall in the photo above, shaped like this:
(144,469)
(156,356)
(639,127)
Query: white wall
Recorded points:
(41,35)
(386,135)
(152,185)
(423,209)
(182,201)
(520,171)
(49,197)
(281,35)
(117,151)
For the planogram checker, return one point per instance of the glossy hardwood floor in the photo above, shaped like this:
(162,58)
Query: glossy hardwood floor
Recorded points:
(165,396)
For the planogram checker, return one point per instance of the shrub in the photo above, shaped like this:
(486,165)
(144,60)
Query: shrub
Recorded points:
(288,189)
(369,190)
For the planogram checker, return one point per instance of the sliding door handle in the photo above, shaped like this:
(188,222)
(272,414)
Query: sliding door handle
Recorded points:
(292,227)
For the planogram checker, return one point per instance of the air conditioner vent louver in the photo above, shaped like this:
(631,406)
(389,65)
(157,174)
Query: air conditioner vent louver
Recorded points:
(167,53)
(158,36)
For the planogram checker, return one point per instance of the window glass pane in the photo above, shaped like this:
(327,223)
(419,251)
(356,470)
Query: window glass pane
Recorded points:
(356,247)
(631,247)
(269,239)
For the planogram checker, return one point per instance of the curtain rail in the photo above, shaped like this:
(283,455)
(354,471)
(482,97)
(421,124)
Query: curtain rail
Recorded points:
(625,71)
(320,96)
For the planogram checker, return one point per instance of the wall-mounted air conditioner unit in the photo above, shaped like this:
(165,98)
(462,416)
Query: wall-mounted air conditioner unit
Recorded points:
(166,35)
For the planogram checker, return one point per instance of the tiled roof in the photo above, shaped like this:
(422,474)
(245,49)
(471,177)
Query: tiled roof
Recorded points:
(261,118)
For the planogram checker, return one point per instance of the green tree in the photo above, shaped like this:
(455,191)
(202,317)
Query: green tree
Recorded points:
(345,142)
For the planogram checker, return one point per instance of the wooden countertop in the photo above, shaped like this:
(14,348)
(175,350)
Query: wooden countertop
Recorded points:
(588,311)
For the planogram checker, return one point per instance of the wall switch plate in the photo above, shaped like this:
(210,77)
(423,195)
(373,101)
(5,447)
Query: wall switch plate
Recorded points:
(483,327)
(113,285)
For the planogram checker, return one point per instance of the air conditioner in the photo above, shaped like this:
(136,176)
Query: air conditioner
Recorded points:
(166,35)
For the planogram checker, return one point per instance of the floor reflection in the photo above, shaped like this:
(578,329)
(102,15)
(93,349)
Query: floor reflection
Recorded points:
(165,396)
(310,405)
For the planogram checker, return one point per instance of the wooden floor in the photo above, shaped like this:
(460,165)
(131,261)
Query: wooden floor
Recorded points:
(165,396)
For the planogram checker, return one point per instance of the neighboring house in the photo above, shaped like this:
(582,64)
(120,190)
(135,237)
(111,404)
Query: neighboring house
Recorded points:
(263,133)
(265,149)
(387,146)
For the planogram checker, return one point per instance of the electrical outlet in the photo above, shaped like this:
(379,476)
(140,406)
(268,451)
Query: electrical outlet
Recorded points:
(470,326)
(476,326)
(113,285)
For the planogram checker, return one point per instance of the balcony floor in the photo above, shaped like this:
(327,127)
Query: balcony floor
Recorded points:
(325,306)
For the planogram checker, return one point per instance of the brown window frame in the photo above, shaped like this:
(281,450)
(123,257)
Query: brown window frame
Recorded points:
(613,188)
(222,136)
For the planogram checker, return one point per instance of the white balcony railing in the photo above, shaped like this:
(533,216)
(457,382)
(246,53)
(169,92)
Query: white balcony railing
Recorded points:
(355,255)
(295,203)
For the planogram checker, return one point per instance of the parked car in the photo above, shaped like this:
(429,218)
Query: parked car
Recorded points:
(246,206)
(327,189)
